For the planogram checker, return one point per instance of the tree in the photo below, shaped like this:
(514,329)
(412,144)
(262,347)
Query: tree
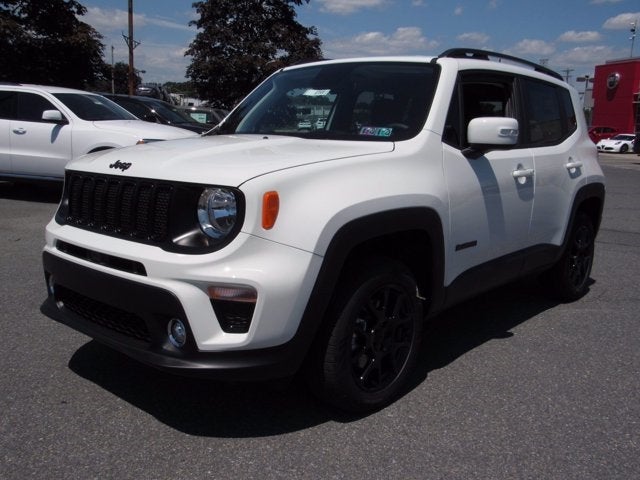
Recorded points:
(120,78)
(240,42)
(44,42)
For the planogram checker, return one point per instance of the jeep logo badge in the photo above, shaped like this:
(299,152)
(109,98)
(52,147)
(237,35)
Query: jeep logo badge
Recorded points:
(120,165)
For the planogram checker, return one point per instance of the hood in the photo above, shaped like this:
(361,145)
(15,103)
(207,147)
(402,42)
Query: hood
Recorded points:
(223,160)
(142,129)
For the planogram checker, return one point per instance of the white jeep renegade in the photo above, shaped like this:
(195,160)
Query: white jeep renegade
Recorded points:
(266,248)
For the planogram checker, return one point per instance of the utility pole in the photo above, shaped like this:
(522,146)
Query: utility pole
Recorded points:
(567,72)
(113,74)
(131,43)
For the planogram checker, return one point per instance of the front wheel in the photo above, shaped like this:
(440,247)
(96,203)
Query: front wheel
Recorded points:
(569,278)
(370,340)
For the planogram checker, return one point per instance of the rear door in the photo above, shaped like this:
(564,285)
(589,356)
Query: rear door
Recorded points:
(551,133)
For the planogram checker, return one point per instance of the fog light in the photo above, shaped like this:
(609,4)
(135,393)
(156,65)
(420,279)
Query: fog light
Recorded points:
(177,332)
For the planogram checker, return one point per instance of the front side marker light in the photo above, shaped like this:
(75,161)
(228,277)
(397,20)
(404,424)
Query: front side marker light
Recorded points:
(270,208)
(234,293)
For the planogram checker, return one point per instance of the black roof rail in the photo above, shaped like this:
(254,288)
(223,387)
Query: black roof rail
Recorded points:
(485,54)
(10,83)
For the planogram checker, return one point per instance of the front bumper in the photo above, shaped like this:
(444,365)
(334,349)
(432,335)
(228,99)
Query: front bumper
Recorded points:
(132,317)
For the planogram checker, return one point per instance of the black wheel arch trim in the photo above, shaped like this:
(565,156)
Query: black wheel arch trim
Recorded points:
(590,199)
(359,231)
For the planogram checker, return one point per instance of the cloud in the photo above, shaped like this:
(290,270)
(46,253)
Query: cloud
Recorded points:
(403,41)
(118,20)
(345,7)
(458,11)
(161,61)
(622,21)
(604,2)
(474,38)
(533,47)
(583,56)
(580,37)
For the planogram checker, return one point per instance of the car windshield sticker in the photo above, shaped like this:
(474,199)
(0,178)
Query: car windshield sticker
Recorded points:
(316,93)
(376,131)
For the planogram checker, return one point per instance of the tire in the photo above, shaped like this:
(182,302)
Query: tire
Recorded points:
(569,278)
(370,339)
(624,148)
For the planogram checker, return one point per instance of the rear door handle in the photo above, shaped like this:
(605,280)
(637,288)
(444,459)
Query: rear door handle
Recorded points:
(573,165)
(19,131)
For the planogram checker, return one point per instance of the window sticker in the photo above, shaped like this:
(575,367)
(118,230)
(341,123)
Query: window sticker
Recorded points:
(316,93)
(376,131)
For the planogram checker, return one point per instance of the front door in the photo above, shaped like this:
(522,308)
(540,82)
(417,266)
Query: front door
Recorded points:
(490,197)
(38,148)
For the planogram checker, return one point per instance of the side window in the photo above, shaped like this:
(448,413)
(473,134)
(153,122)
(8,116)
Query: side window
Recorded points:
(31,106)
(571,124)
(544,116)
(452,133)
(477,96)
(7,105)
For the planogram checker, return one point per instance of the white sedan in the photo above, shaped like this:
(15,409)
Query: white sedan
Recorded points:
(42,128)
(621,143)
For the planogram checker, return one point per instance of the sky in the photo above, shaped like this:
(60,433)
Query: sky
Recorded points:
(569,36)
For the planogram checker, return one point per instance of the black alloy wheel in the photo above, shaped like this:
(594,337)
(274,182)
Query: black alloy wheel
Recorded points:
(570,276)
(370,339)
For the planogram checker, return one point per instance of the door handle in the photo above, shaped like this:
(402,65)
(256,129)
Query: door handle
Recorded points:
(523,172)
(573,165)
(19,131)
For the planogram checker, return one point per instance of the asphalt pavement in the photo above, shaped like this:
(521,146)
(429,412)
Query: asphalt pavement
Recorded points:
(511,385)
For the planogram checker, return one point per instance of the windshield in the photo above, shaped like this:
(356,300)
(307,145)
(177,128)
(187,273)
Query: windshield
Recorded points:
(93,107)
(623,137)
(171,113)
(372,101)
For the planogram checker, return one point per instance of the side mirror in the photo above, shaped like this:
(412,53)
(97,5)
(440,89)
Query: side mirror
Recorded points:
(54,116)
(493,131)
(488,133)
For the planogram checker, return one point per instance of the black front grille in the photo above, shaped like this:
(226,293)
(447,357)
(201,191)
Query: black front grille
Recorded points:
(125,207)
(106,316)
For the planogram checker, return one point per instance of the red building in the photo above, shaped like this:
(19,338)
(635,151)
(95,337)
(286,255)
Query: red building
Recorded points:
(616,95)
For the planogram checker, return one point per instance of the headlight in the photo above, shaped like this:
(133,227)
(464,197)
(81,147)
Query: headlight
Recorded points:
(217,212)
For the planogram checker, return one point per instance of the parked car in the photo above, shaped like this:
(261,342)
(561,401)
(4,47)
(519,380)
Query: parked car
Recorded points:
(265,249)
(621,143)
(42,128)
(212,116)
(600,133)
(304,124)
(157,111)
(154,90)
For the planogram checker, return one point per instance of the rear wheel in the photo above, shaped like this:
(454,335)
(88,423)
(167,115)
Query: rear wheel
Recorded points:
(371,339)
(570,276)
